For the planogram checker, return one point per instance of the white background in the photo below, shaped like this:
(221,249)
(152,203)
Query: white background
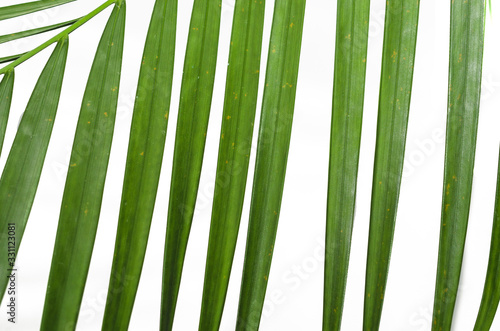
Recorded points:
(295,290)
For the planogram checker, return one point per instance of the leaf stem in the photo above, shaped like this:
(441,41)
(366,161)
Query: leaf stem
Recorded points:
(58,36)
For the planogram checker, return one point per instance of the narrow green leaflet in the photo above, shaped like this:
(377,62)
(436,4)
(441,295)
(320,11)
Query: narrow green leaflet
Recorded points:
(33,32)
(491,292)
(464,91)
(400,36)
(348,97)
(6,87)
(10,58)
(194,109)
(144,159)
(234,149)
(22,171)
(85,181)
(272,154)
(29,7)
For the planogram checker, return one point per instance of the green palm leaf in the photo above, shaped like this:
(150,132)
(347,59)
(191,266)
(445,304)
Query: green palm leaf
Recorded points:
(192,123)
(144,159)
(466,56)
(29,7)
(21,174)
(400,38)
(85,180)
(234,149)
(33,32)
(272,153)
(348,97)
(10,58)
(491,292)
(6,87)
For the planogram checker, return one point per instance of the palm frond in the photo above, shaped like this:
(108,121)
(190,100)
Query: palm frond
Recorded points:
(464,91)
(400,36)
(271,159)
(33,32)
(347,115)
(22,171)
(85,180)
(10,58)
(234,150)
(192,122)
(144,159)
(29,7)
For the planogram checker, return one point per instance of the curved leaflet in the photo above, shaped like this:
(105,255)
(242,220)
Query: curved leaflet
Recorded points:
(234,151)
(85,180)
(23,169)
(144,159)
(464,92)
(351,47)
(400,37)
(272,154)
(192,122)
